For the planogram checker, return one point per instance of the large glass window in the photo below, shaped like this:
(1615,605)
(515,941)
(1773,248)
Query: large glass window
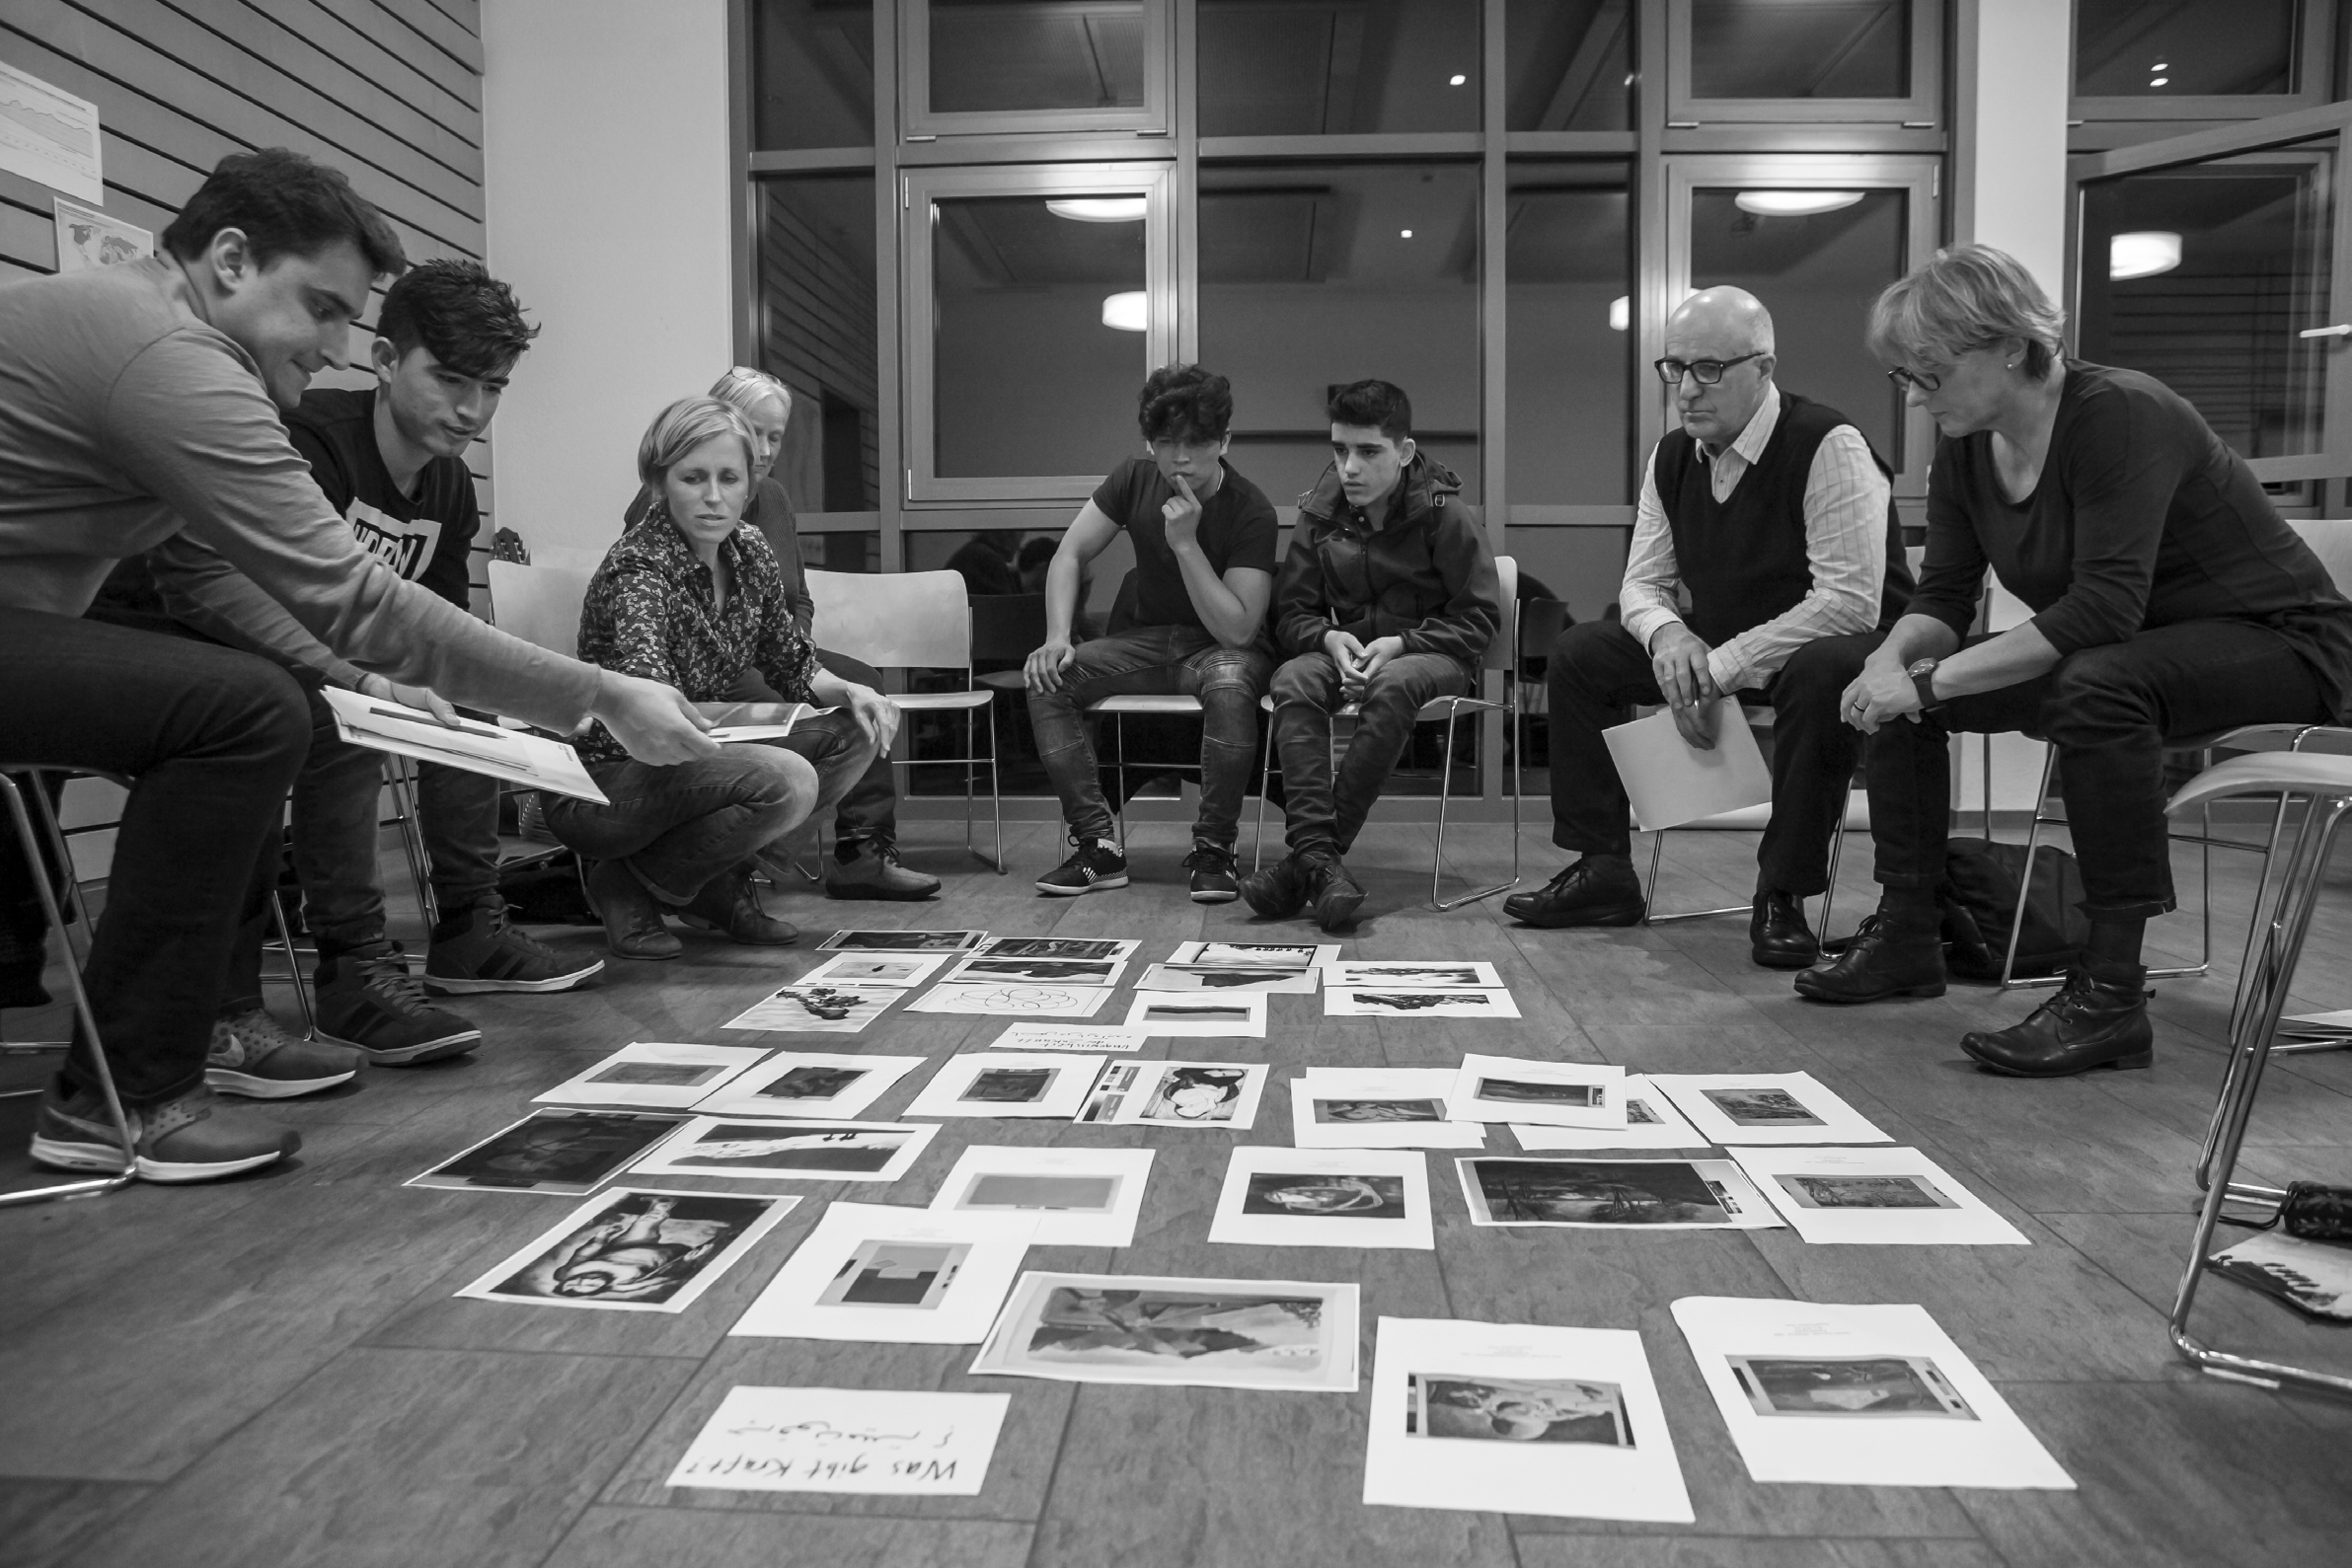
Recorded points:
(1030,66)
(1316,275)
(817,333)
(1569,280)
(2128,48)
(1571,64)
(813,77)
(1874,61)
(1334,67)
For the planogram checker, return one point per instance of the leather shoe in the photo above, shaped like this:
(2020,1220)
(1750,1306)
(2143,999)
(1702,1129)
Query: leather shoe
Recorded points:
(632,924)
(1777,936)
(1335,895)
(1592,892)
(873,871)
(729,904)
(1879,962)
(1279,891)
(2089,1024)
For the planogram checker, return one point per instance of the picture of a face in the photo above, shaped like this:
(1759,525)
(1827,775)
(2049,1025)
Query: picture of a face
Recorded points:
(1368,1110)
(1517,1410)
(1196,1094)
(1361,1197)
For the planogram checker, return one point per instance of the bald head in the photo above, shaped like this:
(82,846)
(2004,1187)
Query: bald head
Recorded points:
(1721,325)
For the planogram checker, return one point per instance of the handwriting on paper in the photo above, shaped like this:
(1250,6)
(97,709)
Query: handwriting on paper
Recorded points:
(846,1440)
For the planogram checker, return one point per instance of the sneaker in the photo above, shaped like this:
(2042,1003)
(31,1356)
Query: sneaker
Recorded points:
(1095,866)
(368,1000)
(480,949)
(1215,878)
(1279,891)
(871,871)
(258,1057)
(193,1138)
(1335,895)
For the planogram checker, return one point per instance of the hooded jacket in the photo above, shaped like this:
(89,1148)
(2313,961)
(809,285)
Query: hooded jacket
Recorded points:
(1426,576)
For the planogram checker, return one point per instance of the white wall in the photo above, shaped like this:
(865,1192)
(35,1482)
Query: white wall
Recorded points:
(2009,188)
(605,126)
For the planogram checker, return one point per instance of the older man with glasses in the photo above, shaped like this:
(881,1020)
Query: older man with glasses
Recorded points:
(1765,563)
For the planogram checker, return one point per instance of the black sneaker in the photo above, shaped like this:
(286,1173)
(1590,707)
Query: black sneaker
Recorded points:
(482,949)
(1214,875)
(1279,891)
(1095,866)
(367,999)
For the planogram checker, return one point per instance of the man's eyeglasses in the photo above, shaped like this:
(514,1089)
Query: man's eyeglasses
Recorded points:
(1706,372)
(1905,380)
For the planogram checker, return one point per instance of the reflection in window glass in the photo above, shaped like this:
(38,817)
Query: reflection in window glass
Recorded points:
(1316,275)
(1336,67)
(1566,576)
(2203,276)
(815,65)
(818,336)
(1009,55)
(1038,341)
(1800,48)
(1569,275)
(2128,49)
(843,551)
(1817,274)
(1572,65)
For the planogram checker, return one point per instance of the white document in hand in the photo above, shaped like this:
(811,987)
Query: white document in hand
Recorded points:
(509,754)
(1672,782)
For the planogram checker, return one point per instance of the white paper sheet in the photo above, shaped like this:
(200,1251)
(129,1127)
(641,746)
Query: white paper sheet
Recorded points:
(889,971)
(50,136)
(1766,1108)
(1069,1037)
(648,1072)
(988,969)
(632,1249)
(89,239)
(1060,947)
(1325,1197)
(1379,974)
(559,1151)
(1046,1084)
(824,1085)
(1394,1107)
(1880,1197)
(1394,1001)
(513,755)
(751,728)
(1228,978)
(1651,1122)
(1856,1396)
(1612,1194)
(1221,1097)
(1513,1418)
(1255,954)
(815,1010)
(1502,1088)
(886,1275)
(781,1150)
(1180,1013)
(1078,1197)
(1165,1329)
(1671,781)
(999,1000)
(846,1440)
(901,941)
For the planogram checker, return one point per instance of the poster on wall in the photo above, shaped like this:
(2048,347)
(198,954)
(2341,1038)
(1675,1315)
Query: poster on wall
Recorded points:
(47,134)
(87,239)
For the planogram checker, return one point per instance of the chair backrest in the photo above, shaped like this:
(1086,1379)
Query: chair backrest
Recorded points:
(1503,649)
(540,604)
(894,619)
(1006,626)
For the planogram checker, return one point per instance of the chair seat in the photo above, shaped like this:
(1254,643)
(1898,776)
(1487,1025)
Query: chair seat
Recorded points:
(1133,703)
(941,701)
(1435,709)
(2267,774)
(1004,680)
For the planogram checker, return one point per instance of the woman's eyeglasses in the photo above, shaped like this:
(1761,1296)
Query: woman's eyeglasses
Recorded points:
(1706,372)
(1905,380)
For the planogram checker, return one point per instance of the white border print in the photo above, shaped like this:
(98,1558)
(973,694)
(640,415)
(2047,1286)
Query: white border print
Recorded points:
(880,1273)
(655,1074)
(1651,1122)
(826,1086)
(1501,1088)
(1002,999)
(632,1249)
(1165,1329)
(1047,1084)
(1221,1097)
(1185,1013)
(778,1151)
(1325,1197)
(1887,1197)
(1256,955)
(993,970)
(1407,1002)
(1078,1197)
(1385,974)
(1060,947)
(815,1010)
(792,1440)
(1598,1194)
(571,1152)
(1766,1108)
(898,971)
(1393,1107)
(902,941)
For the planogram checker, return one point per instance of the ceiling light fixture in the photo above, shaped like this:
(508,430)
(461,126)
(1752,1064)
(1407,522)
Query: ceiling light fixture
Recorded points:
(1456,79)
(2157,81)
(1127,313)
(2143,254)
(1621,312)
(1794,204)
(1405,234)
(1097,209)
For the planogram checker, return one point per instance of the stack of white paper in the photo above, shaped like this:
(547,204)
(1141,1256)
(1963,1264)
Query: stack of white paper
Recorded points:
(1651,1122)
(1394,1107)
(875,1272)
(1500,1089)
(1518,1419)
(514,754)
(1886,1197)
(1670,781)
(1766,1108)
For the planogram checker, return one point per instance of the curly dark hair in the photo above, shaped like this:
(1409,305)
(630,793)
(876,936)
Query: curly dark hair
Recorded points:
(459,314)
(1186,403)
(286,205)
(1373,402)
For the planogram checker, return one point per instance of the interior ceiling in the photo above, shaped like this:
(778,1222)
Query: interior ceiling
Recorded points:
(1014,242)
(1800,48)
(1724,239)
(2228,221)
(1010,54)
(1567,63)
(2205,45)
(1339,225)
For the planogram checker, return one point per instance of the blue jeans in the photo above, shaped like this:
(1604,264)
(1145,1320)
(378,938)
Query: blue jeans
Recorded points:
(1327,812)
(681,826)
(1154,661)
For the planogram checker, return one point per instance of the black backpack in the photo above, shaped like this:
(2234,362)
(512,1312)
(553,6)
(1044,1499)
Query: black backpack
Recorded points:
(1980,895)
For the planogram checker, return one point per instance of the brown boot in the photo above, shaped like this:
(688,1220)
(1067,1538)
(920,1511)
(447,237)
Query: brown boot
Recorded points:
(729,904)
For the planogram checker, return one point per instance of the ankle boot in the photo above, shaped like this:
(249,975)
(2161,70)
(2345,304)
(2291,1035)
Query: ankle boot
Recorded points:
(2089,1024)
(1884,959)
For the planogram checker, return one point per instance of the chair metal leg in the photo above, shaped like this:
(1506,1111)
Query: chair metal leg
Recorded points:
(1837,853)
(1265,773)
(285,945)
(1445,785)
(996,792)
(83,1013)
(2033,837)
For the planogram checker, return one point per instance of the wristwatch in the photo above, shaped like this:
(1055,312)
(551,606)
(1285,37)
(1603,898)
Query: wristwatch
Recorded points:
(1922,678)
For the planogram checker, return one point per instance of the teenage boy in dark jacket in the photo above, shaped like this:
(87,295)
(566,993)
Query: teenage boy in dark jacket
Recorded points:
(1388,599)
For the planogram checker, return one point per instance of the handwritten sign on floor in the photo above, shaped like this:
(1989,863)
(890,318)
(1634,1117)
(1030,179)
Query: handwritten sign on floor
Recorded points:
(846,1440)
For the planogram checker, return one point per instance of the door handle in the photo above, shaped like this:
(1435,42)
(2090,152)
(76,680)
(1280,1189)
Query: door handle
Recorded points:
(2339,330)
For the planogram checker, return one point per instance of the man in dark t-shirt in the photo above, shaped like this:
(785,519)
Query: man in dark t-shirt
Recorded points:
(1204,568)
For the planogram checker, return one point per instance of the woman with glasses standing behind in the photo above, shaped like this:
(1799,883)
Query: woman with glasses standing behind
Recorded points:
(2169,599)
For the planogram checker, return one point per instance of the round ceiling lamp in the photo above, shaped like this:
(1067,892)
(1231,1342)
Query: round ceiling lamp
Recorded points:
(1097,209)
(2142,254)
(1129,311)
(1621,312)
(1794,204)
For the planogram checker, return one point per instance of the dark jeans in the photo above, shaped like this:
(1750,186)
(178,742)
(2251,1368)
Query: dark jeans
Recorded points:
(1323,812)
(1154,661)
(1597,671)
(211,739)
(682,826)
(868,809)
(2108,710)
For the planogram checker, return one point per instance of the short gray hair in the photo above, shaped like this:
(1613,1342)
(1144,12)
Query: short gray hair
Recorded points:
(746,388)
(1969,297)
(684,425)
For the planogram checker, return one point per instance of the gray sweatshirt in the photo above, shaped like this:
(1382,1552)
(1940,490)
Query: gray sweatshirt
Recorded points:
(126,423)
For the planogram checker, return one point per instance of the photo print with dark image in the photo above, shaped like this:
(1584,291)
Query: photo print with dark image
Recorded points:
(1119,1326)
(909,1274)
(1594,1192)
(1318,1194)
(555,1150)
(1196,1094)
(1844,1386)
(1762,1107)
(1078,971)
(665,1075)
(1009,1086)
(1516,1409)
(1420,1001)
(901,941)
(811,1083)
(775,1146)
(1277,955)
(643,1250)
(1863,1192)
(1535,1093)
(1412,974)
(1081,948)
(1379,1110)
(1012,1190)
(1192,1012)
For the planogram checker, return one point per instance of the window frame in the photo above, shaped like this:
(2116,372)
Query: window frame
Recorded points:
(919,122)
(1923,108)
(2314,68)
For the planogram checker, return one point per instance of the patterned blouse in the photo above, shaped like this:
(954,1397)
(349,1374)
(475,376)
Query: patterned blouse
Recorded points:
(650,612)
